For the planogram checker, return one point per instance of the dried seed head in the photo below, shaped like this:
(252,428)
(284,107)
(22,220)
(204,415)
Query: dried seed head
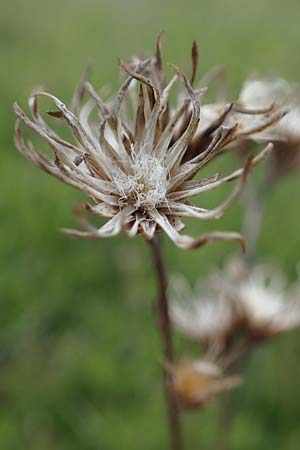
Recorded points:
(205,315)
(264,302)
(138,161)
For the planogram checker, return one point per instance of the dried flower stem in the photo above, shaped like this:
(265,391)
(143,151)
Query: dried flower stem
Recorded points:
(167,345)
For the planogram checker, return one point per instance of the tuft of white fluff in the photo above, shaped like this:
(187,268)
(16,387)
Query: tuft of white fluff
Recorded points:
(147,184)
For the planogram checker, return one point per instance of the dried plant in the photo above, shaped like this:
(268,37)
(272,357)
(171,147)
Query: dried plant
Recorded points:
(138,164)
(139,168)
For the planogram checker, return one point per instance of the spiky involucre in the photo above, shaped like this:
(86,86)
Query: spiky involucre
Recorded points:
(139,168)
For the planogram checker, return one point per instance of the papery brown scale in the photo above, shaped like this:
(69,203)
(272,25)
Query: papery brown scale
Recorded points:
(202,140)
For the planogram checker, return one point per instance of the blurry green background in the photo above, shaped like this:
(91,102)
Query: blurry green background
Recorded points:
(79,352)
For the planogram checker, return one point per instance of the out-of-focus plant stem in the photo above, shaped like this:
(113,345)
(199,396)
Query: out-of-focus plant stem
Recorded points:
(227,408)
(253,209)
(164,325)
(254,200)
(224,423)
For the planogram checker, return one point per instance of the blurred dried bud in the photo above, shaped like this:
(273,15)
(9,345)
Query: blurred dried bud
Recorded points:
(197,383)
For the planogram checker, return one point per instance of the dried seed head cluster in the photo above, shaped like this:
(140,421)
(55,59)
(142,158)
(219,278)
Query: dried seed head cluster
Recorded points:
(138,162)
(237,301)
(197,383)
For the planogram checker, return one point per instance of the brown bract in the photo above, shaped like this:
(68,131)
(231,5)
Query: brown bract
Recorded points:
(139,160)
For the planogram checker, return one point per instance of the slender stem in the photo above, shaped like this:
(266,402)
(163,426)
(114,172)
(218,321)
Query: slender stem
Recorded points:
(224,424)
(167,346)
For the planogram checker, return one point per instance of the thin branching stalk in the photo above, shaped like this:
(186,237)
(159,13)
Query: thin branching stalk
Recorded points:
(227,406)
(164,325)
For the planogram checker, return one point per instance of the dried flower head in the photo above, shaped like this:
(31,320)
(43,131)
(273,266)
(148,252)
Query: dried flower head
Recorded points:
(197,383)
(285,134)
(204,314)
(138,161)
(265,304)
(255,303)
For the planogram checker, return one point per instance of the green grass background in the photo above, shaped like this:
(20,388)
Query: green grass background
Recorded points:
(79,352)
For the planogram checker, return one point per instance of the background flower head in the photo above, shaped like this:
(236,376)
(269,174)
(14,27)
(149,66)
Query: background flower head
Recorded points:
(284,134)
(236,301)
